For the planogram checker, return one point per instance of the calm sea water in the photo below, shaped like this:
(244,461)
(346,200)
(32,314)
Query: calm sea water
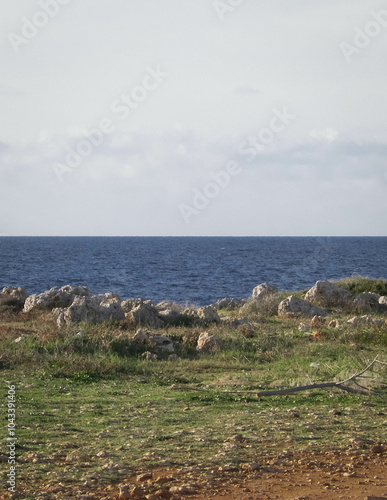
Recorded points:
(194,270)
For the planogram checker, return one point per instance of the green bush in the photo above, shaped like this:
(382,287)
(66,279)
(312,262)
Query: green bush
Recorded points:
(361,284)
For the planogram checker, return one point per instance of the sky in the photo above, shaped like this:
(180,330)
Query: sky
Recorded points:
(193,117)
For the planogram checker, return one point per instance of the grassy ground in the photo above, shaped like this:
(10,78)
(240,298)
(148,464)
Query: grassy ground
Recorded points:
(91,411)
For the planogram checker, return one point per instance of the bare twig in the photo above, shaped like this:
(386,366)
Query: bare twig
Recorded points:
(339,385)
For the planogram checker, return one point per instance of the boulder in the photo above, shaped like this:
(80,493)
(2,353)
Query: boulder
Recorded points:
(295,306)
(227,303)
(90,309)
(383,300)
(208,315)
(14,297)
(328,294)
(146,315)
(236,322)
(263,290)
(367,302)
(162,342)
(55,298)
(208,342)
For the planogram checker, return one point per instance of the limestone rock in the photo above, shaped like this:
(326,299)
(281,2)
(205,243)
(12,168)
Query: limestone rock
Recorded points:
(328,294)
(237,322)
(208,315)
(227,303)
(367,302)
(383,300)
(130,304)
(90,309)
(263,290)
(55,298)
(146,315)
(13,297)
(366,320)
(296,306)
(207,342)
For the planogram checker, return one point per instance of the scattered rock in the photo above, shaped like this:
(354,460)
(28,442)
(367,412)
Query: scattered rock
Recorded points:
(365,320)
(263,290)
(162,342)
(335,323)
(303,327)
(327,294)
(208,342)
(297,306)
(318,321)
(383,300)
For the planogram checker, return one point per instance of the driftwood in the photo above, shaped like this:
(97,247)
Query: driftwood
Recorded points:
(339,385)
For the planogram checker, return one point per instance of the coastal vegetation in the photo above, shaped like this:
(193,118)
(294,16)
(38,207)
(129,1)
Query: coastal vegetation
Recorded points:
(96,406)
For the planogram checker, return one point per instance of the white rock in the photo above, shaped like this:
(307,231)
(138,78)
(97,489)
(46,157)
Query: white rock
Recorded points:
(328,294)
(55,298)
(90,309)
(297,306)
(146,315)
(208,342)
(263,290)
(208,315)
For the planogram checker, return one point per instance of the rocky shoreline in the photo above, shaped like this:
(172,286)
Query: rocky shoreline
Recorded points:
(71,305)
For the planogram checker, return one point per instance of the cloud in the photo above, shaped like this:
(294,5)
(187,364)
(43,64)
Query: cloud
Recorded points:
(247,90)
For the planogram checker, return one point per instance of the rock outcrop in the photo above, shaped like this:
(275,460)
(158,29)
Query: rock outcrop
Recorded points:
(146,315)
(295,306)
(263,290)
(327,294)
(90,309)
(55,297)
(227,303)
(14,297)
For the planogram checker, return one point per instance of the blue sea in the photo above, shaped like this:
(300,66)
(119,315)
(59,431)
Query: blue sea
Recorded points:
(197,270)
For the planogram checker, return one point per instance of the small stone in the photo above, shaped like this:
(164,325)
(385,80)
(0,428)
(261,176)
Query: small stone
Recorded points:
(137,492)
(124,493)
(377,449)
(144,477)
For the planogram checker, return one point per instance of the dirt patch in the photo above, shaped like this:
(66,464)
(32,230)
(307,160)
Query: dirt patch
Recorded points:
(302,476)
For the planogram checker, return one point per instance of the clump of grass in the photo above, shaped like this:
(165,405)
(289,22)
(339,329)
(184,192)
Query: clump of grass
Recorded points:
(361,284)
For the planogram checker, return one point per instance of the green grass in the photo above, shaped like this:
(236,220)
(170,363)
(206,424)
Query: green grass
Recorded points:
(360,284)
(77,397)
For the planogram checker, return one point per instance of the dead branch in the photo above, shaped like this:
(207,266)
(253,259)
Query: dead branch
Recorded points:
(339,385)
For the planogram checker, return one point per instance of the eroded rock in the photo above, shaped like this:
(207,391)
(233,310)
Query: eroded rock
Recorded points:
(295,306)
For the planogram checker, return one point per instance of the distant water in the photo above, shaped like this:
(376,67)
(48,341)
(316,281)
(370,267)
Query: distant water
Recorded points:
(193,270)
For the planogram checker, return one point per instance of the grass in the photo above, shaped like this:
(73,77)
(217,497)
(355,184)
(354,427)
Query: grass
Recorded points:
(94,406)
(360,284)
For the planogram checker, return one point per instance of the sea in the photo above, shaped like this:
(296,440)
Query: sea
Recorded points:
(187,270)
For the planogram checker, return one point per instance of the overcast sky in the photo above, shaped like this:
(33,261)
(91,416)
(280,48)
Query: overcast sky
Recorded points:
(193,117)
